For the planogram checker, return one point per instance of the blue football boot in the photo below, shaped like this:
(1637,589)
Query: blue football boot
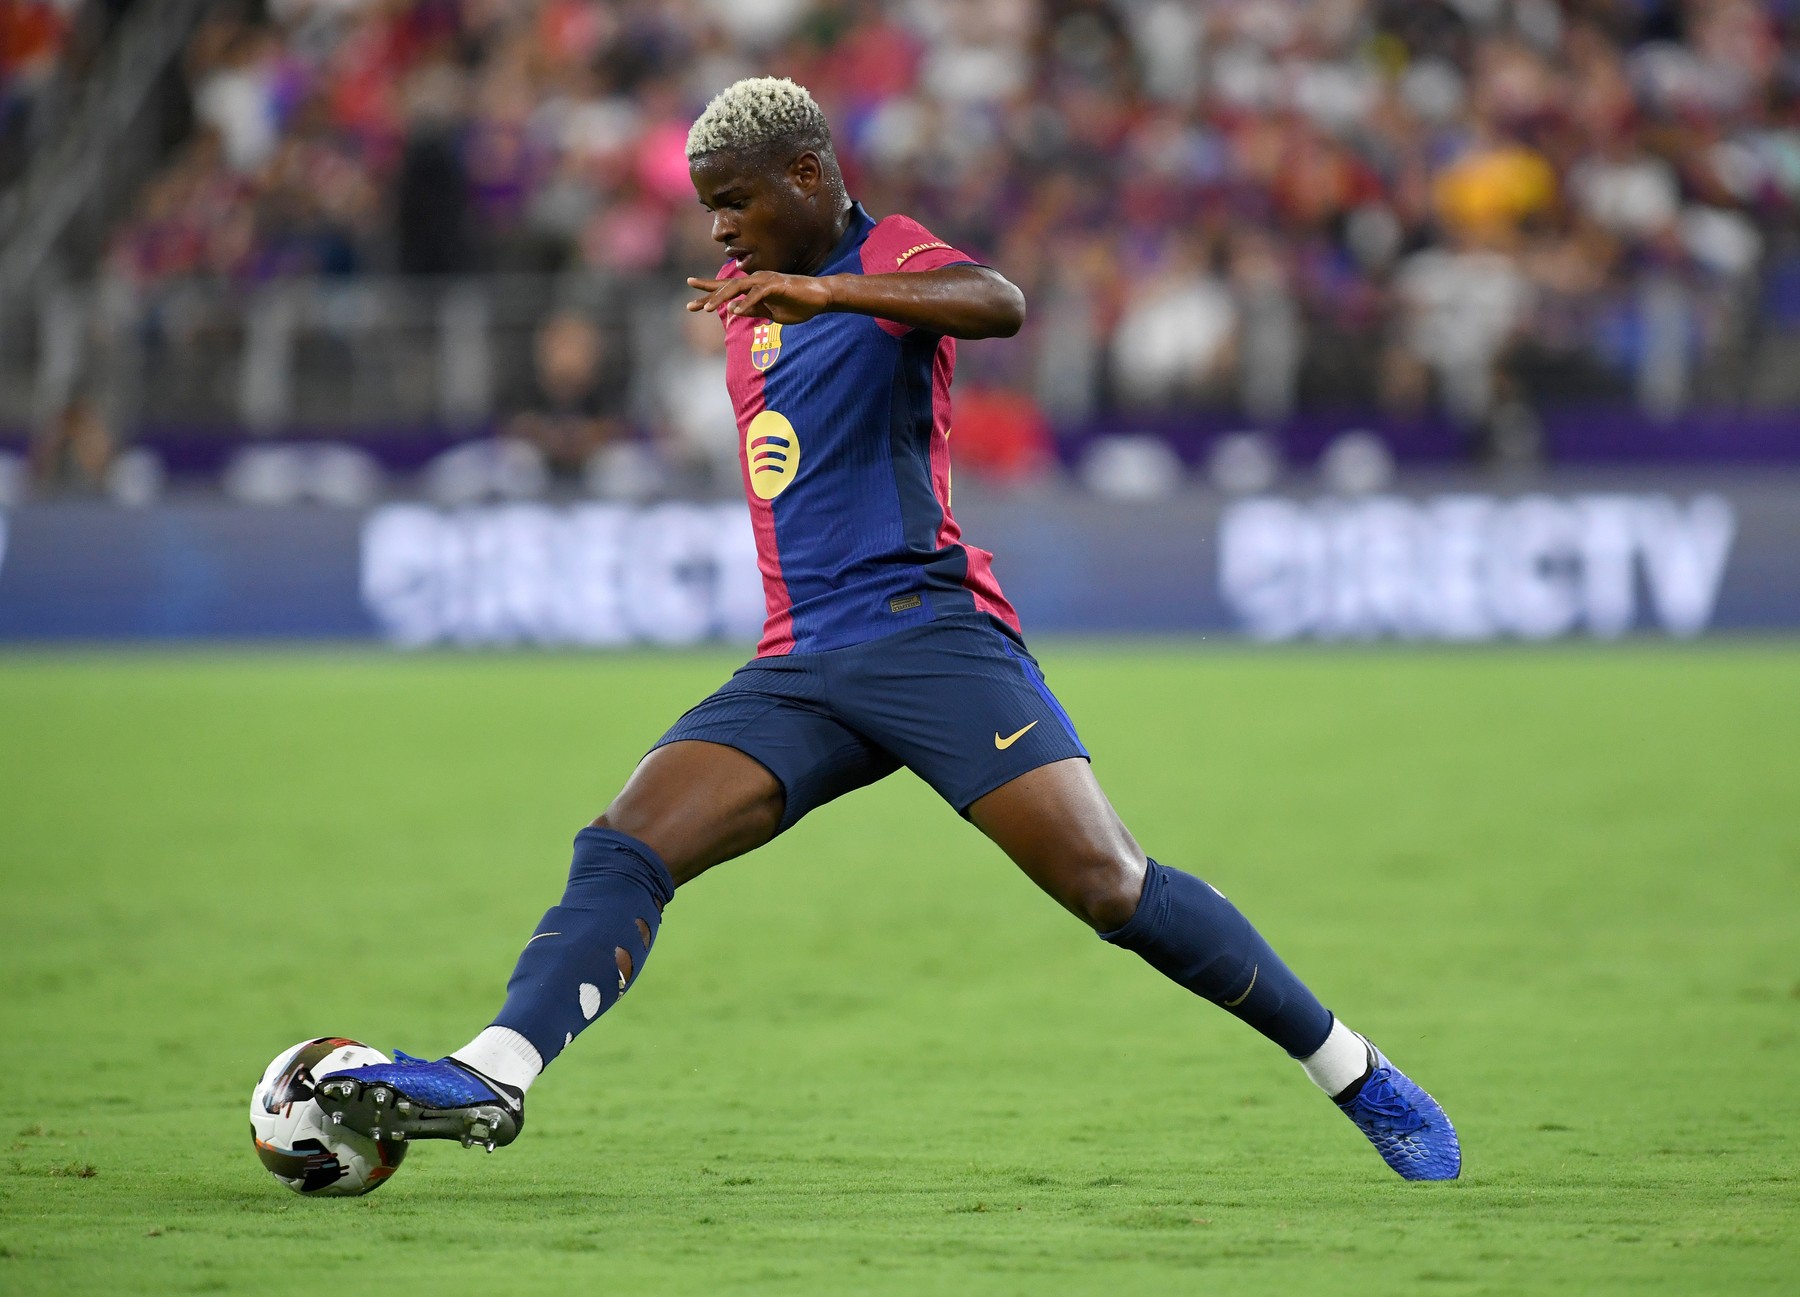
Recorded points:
(410,1098)
(1406,1125)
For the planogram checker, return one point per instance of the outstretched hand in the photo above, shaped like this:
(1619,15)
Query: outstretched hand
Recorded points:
(765,295)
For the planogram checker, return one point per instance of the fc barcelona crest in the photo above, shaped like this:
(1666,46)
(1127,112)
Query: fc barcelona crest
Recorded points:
(765,344)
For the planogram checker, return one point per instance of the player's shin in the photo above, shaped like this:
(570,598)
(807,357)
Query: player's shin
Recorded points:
(587,951)
(1189,932)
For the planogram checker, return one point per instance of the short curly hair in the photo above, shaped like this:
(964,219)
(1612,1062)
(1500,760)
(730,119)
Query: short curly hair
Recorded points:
(759,115)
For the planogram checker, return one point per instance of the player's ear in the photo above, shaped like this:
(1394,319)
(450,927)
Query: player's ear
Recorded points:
(807,173)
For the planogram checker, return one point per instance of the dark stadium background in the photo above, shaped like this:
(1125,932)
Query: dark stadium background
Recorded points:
(344,318)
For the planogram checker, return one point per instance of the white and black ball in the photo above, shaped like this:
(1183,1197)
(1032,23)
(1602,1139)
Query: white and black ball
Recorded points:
(298,1142)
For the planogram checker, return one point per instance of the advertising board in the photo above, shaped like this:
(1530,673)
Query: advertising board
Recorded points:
(1474,567)
(1665,558)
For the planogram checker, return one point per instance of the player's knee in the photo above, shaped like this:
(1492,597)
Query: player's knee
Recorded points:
(730,829)
(689,845)
(1102,886)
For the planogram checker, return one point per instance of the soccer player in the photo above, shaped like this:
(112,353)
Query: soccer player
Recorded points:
(888,643)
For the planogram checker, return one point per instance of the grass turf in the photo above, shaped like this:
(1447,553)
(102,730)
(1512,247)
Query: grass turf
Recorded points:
(1560,887)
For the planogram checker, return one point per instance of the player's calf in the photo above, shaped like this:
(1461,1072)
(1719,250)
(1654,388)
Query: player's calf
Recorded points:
(1188,931)
(589,949)
(587,952)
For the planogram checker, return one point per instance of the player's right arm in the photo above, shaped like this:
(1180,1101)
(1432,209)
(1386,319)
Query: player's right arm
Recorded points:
(963,301)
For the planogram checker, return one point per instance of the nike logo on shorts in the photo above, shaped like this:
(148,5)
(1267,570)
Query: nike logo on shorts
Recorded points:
(1009,740)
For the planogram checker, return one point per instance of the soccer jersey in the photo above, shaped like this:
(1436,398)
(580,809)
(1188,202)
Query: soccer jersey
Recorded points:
(844,426)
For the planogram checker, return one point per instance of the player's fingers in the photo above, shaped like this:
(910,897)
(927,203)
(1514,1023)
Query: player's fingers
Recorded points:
(705,286)
(725,292)
(751,302)
(713,300)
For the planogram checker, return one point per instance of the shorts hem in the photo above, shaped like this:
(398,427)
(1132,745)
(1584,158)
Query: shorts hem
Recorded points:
(1004,780)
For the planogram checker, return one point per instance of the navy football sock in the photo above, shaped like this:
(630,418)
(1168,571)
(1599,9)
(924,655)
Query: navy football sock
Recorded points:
(589,949)
(1194,936)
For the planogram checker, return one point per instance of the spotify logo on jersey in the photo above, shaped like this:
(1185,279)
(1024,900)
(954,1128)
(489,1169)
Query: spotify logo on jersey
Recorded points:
(772,450)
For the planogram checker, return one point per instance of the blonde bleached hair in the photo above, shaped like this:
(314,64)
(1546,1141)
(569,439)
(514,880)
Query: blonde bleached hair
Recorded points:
(759,114)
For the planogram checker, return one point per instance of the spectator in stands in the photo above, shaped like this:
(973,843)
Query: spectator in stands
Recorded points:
(432,190)
(1001,437)
(576,403)
(695,423)
(32,35)
(73,451)
(1176,343)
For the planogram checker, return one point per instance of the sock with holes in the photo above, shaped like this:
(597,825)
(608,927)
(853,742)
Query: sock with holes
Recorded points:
(1189,932)
(589,949)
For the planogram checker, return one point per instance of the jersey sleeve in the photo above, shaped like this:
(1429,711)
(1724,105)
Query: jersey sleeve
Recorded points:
(899,243)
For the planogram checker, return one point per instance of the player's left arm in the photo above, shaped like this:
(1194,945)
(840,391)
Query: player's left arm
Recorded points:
(964,301)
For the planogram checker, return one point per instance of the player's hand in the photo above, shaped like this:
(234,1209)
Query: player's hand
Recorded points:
(765,295)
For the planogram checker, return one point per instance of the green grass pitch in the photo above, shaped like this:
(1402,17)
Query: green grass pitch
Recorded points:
(1560,887)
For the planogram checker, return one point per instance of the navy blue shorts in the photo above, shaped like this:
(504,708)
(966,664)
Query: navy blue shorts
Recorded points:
(959,701)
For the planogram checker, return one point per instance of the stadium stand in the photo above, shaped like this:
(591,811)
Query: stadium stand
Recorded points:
(1470,210)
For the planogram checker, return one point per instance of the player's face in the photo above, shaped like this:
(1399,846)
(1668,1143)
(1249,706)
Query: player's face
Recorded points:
(765,216)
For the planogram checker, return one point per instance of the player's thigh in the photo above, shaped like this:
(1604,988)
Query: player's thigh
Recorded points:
(745,764)
(697,804)
(1057,825)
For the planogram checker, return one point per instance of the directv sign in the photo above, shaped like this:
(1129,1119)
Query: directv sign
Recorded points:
(1474,567)
(585,575)
(1669,556)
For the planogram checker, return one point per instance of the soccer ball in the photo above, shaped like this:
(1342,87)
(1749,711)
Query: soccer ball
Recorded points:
(298,1143)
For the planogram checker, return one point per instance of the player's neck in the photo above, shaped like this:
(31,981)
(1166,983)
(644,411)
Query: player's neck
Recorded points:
(829,238)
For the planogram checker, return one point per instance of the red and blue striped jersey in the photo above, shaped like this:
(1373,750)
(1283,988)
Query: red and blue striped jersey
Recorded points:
(845,427)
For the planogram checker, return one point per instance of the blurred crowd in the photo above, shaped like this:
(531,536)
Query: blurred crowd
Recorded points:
(1464,206)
